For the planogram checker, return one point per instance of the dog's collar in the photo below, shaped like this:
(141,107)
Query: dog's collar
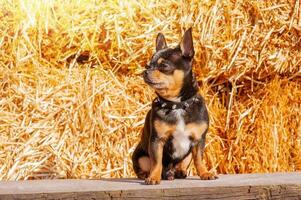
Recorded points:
(162,103)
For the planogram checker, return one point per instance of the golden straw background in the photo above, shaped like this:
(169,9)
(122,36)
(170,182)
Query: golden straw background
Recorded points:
(72,101)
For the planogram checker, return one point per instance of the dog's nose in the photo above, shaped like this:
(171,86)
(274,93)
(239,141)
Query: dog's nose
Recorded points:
(148,65)
(146,73)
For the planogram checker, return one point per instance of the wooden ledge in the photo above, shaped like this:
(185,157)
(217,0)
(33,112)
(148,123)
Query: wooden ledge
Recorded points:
(240,186)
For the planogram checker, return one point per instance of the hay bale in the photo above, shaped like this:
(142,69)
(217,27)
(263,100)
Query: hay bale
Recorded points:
(72,102)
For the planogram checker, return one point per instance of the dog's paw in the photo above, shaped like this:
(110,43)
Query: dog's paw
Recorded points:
(208,176)
(169,175)
(152,181)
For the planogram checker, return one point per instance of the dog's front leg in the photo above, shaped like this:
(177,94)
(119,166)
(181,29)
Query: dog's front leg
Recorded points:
(197,154)
(156,153)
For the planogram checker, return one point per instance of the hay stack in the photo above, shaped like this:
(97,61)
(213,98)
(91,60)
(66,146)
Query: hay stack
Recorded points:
(72,102)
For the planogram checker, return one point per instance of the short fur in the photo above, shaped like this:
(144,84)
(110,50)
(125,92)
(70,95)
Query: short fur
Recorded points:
(175,128)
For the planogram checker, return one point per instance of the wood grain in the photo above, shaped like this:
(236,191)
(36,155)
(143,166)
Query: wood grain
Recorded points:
(242,186)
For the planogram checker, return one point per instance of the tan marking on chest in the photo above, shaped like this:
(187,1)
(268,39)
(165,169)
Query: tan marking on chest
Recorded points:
(164,130)
(196,130)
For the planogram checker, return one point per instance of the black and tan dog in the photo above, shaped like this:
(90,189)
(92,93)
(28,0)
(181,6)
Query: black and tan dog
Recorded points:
(176,126)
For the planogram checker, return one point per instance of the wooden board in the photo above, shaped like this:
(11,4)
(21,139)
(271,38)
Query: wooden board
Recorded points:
(242,186)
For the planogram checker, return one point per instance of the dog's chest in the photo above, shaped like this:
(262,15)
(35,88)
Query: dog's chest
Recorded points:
(181,132)
(181,137)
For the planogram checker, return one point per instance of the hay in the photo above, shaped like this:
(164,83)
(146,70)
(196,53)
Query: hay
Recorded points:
(72,102)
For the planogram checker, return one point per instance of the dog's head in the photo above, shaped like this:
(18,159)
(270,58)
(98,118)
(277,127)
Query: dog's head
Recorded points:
(169,68)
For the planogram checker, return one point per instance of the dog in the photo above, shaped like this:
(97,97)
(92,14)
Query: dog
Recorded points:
(175,128)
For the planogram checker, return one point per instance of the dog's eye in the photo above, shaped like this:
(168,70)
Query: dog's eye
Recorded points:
(164,67)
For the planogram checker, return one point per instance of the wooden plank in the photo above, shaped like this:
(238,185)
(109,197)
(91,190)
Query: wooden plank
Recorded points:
(242,186)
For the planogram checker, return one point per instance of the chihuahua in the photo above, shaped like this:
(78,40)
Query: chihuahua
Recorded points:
(175,128)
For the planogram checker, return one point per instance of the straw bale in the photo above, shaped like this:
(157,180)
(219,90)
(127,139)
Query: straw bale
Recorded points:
(72,101)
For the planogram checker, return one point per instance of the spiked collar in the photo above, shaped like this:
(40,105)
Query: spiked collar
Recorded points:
(171,105)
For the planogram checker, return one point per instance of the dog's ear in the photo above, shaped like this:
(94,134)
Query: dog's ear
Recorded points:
(160,42)
(186,44)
